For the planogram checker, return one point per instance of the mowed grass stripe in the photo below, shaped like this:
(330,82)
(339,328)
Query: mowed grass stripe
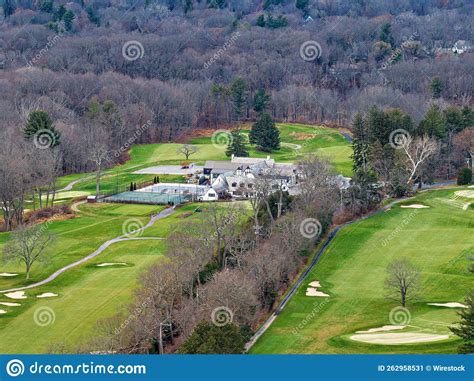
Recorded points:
(439,240)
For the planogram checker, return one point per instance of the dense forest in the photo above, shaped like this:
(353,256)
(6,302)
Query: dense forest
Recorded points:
(104,70)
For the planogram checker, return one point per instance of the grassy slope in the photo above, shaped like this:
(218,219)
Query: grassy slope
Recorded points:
(91,293)
(86,293)
(439,240)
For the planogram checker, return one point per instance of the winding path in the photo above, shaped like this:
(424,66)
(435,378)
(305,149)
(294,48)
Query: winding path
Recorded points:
(292,145)
(164,213)
(69,186)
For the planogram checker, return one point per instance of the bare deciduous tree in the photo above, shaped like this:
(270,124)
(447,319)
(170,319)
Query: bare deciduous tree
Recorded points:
(28,244)
(417,151)
(187,150)
(402,280)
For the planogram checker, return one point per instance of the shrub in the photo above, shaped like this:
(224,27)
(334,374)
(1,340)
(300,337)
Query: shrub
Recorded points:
(464,176)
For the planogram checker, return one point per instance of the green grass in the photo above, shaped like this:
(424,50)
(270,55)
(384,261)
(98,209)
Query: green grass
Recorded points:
(87,293)
(439,240)
(298,140)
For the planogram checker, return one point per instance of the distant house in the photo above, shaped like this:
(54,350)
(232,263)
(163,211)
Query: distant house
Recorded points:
(461,46)
(307,19)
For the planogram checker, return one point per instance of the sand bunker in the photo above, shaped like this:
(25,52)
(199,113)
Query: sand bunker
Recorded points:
(449,305)
(111,264)
(465,193)
(398,338)
(313,290)
(16,295)
(415,206)
(47,295)
(3,312)
(8,274)
(384,328)
(8,304)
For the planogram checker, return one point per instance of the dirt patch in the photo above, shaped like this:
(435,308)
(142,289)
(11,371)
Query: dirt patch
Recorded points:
(302,135)
(398,338)
(185,214)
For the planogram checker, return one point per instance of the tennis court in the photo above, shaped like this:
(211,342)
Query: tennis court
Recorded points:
(148,198)
(163,193)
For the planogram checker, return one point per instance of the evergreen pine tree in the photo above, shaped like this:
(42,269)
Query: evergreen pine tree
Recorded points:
(360,145)
(68,18)
(433,124)
(264,134)
(39,123)
(465,329)
(237,145)
(386,34)
(436,87)
(260,100)
(238,90)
